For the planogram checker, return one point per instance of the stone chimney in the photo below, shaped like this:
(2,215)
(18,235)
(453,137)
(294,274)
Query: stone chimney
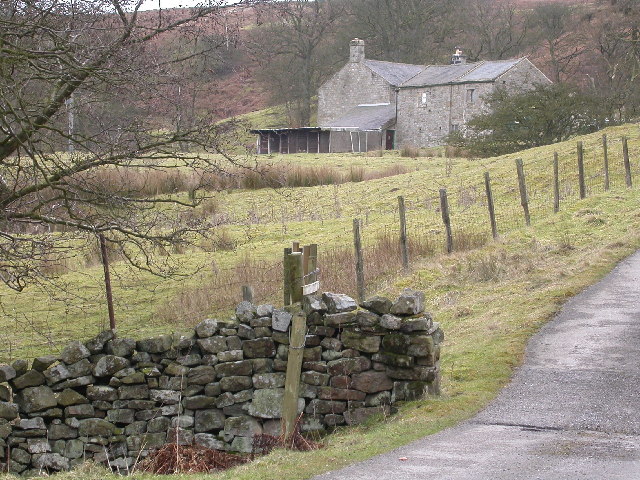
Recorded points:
(458,57)
(356,50)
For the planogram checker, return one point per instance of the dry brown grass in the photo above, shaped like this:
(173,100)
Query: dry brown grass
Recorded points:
(147,183)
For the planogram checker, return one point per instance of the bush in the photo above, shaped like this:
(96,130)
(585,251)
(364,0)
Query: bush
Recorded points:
(544,115)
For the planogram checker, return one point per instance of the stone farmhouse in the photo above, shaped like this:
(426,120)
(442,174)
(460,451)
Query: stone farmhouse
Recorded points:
(371,104)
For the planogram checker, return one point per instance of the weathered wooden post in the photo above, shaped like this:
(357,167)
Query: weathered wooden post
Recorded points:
(296,273)
(286,264)
(605,153)
(294,368)
(522,184)
(492,212)
(444,208)
(357,244)
(247,293)
(404,247)
(581,182)
(107,281)
(556,184)
(627,163)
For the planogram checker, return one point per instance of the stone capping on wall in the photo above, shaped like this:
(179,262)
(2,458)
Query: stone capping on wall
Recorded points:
(112,399)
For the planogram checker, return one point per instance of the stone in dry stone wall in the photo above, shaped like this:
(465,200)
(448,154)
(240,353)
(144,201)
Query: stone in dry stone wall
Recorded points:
(114,399)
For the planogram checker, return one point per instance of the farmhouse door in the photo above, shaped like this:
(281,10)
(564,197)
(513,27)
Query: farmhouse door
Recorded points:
(389,139)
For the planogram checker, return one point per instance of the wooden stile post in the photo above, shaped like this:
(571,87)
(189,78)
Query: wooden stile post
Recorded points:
(294,368)
(627,164)
(605,153)
(444,207)
(556,184)
(296,273)
(403,234)
(581,183)
(286,263)
(306,255)
(357,243)
(522,184)
(313,261)
(247,293)
(107,281)
(492,212)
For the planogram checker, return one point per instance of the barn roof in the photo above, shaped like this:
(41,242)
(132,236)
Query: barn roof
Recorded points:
(486,71)
(365,117)
(394,73)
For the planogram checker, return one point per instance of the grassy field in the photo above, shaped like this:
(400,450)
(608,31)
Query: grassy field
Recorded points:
(489,299)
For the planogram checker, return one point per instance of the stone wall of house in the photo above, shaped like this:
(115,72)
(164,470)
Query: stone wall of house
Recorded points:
(112,399)
(450,107)
(353,85)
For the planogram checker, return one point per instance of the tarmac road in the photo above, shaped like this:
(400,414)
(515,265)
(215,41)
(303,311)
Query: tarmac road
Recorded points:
(572,411)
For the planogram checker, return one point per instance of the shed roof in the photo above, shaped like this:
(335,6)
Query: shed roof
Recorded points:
(365,117)
(394,73)
(485,71)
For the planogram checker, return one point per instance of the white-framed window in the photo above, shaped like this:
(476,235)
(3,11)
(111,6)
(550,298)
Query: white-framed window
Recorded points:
(454,127)
(424,99)
(471,95)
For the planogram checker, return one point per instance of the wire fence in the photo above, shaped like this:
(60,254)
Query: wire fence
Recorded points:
(216,290)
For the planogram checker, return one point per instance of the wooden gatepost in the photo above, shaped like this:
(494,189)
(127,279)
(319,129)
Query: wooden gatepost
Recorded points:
(300,278)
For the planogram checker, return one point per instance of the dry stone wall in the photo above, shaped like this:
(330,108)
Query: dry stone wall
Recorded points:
(112,400)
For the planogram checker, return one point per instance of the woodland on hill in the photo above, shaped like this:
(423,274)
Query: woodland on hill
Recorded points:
(278,53)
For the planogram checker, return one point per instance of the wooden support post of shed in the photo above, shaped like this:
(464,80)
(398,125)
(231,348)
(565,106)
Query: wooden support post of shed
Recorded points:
(357,244)
(404,242)
(492,212)
(522,185)
(581,182)
(627,163)
(556,184)
(294,369)
(444,208)
(605,154)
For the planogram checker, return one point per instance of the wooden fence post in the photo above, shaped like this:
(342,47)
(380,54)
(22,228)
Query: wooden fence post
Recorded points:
(107,281)
(522,184)
(286,264)
(581,183)
(403,234)
(556,184)
(627,164)
(297,276)
(357,244)
(247,293)
(605,153)
(444,207)
(492,212)
(294,369)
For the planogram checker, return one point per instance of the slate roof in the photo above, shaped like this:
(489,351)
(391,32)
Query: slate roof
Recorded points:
(365,117)
(486,71)
(394,73)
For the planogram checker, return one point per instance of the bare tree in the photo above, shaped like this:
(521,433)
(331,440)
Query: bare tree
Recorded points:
(100,63)
(559,37)
(410,31)
(493,30)
(288,46)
